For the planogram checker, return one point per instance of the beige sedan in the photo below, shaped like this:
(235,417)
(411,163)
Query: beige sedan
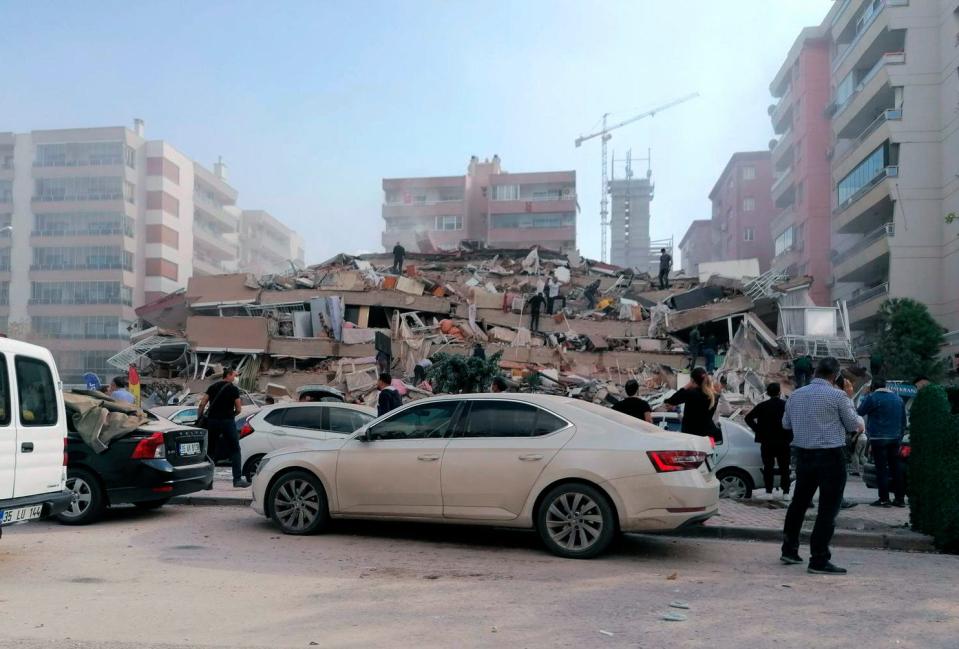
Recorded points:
(576,472)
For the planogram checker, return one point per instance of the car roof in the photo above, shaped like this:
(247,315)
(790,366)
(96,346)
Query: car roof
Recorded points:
(327,404)
(538,399)
(20,347)
(163,411)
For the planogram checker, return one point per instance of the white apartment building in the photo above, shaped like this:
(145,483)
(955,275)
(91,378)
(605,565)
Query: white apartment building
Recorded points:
(96,221)
(895,158)
(267,245)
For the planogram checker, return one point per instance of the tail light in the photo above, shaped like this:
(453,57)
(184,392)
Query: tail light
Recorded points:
(712,442)
(666,461)
(150,448)
(246,430)
(905,451)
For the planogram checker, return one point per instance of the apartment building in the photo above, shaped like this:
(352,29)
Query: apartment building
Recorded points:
(801,230)
(95,221)
(267,245)
(894,114)
(629,247)
(487,205)
(699,244)
(742,208)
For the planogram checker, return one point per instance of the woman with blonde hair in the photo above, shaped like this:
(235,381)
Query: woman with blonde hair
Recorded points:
(699,399)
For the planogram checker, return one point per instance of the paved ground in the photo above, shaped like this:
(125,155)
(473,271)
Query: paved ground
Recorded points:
(222,576)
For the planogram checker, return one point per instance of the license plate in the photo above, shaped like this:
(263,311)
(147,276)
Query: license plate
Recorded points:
(193,448)
(10,516)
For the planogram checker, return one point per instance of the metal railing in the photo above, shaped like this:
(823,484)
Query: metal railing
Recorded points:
(888,115)
(883,231)
(864,295)
(781,179)
(889,171)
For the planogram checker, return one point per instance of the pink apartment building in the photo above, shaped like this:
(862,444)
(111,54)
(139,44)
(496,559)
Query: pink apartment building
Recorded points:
(487,205)
(743,208)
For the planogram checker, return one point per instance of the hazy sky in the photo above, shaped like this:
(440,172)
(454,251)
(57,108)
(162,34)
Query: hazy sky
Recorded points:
(312,103)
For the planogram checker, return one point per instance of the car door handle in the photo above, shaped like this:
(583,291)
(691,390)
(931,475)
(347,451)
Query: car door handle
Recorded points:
(27,447)
(532,457)
(428,458)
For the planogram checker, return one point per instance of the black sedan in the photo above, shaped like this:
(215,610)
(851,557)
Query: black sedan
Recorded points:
(147,467)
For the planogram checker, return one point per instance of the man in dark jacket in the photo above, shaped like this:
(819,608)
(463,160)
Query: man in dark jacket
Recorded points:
(389,398)
(399,252)
(536,303)
(590,293)
(766,420)
(665,265)
(885,424)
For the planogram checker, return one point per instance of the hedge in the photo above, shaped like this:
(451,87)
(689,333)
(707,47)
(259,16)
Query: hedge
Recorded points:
(934,468)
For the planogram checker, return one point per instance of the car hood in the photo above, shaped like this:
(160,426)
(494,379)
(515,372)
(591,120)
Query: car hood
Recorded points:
(325,445)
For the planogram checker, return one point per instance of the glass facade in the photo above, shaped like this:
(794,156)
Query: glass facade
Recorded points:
(82,327)
(83,154)
(73,364)
(82,223)
(4,293)
(82,258)
(865,174)
(92,292)
(6,191)
(83,188)
(530,220)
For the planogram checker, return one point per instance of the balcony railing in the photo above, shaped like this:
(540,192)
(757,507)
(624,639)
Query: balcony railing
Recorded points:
(891,171)
(887,230)
(889,58)
(414,203)
(864,295)
(888,115)
(781,179)
(535,199)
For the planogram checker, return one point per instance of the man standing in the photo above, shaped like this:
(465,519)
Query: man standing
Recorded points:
(590,293)
(665,265)
(766,420)
(819,415)
(695,342)
(634,406)
(421,369)
(709,352)
(885,424)
(221,403)
(802,370)
(389,398)
(535,304)
(399,252)
(119,392)
(552,293)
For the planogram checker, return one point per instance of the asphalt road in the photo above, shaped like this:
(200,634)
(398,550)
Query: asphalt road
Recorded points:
(221,576)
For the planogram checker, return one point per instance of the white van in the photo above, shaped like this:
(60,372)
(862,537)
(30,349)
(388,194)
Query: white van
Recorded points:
(33,430)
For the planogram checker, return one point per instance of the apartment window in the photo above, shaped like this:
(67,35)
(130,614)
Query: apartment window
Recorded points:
(72,365)
(4,293)
(749,234)
(81,327)
(5,260)
(6,191)
(80,154)
(506,193)
(93,292)
(538,220)
(6,157)
(130,156)
(749,204)
(97,188)
(82,258)
(82,223)
(864,175)
(784,242)
(451,222)
(749,173)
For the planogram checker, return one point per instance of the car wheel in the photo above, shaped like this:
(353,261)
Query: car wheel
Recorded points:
(576,521)
(298,503)
(249,469)
(89,501)
(151,504)
(734,484)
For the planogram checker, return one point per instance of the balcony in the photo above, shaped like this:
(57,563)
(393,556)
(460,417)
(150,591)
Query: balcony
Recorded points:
(534,205)
(867,139)
(863,36)
(214,243)
(783,220)
(782,153)
(866,259)
(873,93)
(864,305)
(780,114)
(783,190)
(426,208)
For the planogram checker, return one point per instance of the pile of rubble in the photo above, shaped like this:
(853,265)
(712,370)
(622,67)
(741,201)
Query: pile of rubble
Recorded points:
(338,323)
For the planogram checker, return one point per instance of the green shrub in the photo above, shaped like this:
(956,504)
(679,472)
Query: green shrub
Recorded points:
(910,341)
(455,374)
(934,468)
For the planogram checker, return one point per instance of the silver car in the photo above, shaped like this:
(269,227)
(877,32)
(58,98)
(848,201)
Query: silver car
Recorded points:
(739,463)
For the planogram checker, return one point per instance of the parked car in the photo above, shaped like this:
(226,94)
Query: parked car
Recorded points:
(33,429)
(296,424)
(146,467)
(576,472)
(319,392)
(739,463)
(188,414)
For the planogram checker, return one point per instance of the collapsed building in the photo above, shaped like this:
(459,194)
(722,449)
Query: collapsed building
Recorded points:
(339,322)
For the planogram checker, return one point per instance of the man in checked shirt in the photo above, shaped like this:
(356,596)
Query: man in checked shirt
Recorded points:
(819,415)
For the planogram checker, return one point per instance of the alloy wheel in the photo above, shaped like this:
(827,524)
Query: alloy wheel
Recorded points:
(733,487)
(82,497)
(296,504)
(574,521)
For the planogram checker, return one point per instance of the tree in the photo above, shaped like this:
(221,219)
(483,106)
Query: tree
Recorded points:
(910,341)
(455,374)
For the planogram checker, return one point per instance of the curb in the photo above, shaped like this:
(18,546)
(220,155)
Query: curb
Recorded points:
(206,501)
(842,538)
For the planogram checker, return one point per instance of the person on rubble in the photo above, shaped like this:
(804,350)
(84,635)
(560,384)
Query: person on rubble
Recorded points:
(699,401)
(665,265)
(709,352)
(802,370)
(766,420)
(695,344)
(221,405)
(479,351)
(535,303)
(552,293)
(420,370)
(590,293)
(632,405)
(389,399)
(399,252)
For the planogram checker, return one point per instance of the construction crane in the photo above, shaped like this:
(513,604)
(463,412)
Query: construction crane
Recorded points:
(605,133)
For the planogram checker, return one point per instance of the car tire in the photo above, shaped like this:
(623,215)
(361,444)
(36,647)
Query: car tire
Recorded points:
(735,484)
(89,498)
(147,505)
(576,521)
(298,503)
(249,469)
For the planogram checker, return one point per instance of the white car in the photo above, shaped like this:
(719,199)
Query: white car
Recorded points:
(577,472)
(297,424)
(187,414)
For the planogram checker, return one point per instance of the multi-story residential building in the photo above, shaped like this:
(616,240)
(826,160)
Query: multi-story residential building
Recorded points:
(742,208)
(266,245)
(101,220)
(629,224)
(487,205)
(698,245)
(801,231)
(895,162)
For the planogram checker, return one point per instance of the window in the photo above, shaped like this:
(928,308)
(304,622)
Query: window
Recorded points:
(506,193)
(784,242)
(80,154)
(38,394)
(275,417)
(187,416)
(419,422)
(343,420)
(452,222)
(6,191)
(82,258)
(80,327)
(82,223)
(538,220)
(864,175)
(4,293)
(306,417)
(507,419)
(749,234)
(4,393)
(749,204)
(79,188)
(92,292)
(749,173)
